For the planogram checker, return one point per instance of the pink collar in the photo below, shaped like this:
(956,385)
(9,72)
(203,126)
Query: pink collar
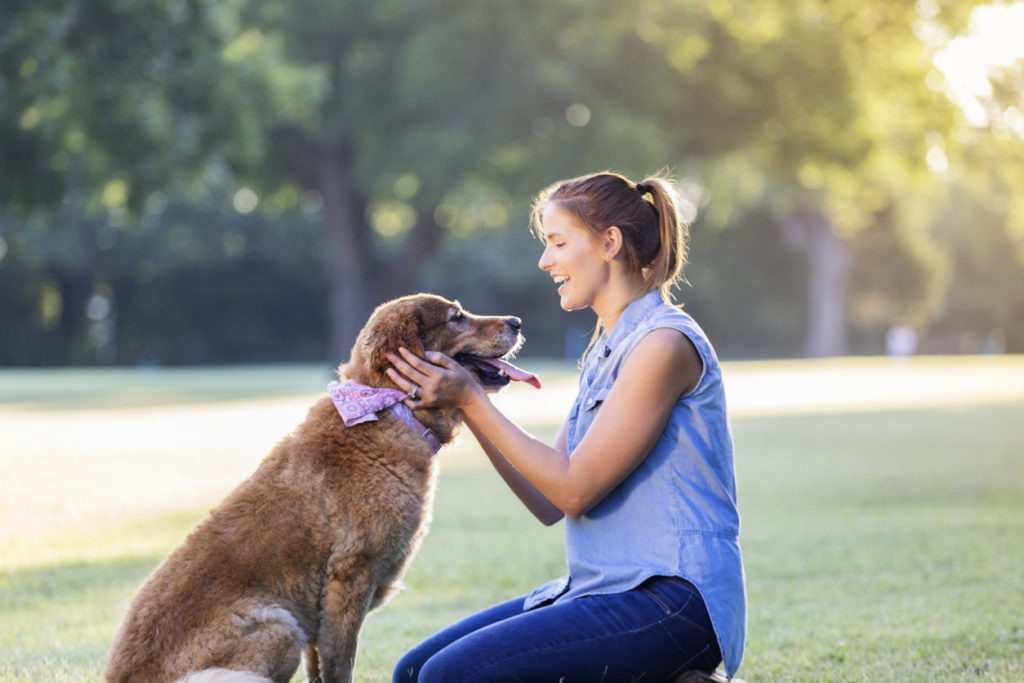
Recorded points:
(357,403)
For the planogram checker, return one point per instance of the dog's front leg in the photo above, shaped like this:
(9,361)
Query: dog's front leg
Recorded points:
(311,659)
(346,600)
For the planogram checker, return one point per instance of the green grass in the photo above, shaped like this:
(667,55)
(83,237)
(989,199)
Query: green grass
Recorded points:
(61,388)
(882,505)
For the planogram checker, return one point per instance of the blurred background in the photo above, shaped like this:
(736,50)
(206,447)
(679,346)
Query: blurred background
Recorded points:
(196,182)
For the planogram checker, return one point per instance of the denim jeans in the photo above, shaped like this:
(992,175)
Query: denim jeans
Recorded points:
(649,633)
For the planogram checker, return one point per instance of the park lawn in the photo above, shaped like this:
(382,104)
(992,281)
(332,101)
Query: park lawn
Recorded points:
(882,513)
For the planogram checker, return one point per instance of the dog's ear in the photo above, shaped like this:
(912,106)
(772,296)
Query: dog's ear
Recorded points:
(401,326)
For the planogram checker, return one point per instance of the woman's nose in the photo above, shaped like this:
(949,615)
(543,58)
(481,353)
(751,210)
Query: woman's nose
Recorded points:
(544,262)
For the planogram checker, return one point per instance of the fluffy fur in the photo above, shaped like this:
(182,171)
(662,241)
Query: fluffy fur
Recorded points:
(290,563)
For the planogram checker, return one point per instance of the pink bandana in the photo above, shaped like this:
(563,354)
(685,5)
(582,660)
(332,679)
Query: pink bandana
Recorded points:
(358,403)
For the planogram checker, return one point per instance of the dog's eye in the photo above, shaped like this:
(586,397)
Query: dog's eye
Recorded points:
(457,316)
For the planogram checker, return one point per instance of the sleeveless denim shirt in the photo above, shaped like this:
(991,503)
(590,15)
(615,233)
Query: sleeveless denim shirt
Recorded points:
(675,514)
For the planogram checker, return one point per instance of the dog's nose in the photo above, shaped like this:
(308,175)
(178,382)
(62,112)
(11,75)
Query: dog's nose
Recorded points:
(515,323)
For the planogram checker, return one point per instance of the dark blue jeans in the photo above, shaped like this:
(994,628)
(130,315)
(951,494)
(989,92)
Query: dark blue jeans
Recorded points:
(649,633)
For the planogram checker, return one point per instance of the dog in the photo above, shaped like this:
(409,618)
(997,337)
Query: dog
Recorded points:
(287,567)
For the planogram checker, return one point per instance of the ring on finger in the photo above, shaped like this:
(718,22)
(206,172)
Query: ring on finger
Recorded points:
(412,394)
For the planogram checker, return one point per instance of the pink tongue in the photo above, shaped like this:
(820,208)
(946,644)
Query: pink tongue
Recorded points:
(512,371)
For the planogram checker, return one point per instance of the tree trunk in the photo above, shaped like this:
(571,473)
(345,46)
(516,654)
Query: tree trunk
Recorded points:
(421,246)
(72,331)
(358,280)
(829,261)
(350,258)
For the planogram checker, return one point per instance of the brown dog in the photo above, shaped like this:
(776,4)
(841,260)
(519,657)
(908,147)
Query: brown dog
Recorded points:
(294,558)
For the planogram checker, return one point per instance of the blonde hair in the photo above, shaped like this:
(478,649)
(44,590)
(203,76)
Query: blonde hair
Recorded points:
(654,236)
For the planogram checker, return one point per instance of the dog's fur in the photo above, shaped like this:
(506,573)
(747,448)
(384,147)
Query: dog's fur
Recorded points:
(294,558)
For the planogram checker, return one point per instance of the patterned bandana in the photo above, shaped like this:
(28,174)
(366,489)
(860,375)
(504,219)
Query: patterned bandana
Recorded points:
(358,403)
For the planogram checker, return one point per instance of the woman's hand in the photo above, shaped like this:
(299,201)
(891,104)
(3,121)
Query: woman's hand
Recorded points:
(437,382)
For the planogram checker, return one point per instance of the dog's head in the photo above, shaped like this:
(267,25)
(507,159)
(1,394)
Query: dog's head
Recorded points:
(426,322)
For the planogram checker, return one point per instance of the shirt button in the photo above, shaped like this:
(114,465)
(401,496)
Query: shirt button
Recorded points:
(590,403)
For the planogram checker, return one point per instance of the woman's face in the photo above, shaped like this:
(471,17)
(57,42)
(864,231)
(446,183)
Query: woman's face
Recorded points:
(573,257)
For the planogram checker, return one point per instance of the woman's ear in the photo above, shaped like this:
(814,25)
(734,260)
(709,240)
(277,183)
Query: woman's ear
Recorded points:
(611,242)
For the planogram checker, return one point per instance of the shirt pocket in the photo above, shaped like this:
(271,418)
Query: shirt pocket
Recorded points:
(595,399)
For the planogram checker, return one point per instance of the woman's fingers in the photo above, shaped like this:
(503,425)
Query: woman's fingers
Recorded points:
(405,366)
(432,382)
(401,382)
(427,367)
(438,358)
(408,379)
(422,380)
(412,390)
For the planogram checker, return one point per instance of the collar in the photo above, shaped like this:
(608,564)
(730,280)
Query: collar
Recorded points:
(358,403)
(637,310)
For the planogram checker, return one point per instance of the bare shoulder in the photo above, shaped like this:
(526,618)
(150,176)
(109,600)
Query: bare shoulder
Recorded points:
(666,354)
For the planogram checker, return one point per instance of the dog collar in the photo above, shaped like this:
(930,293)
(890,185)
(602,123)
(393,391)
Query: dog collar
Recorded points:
(403,413)
(358,403)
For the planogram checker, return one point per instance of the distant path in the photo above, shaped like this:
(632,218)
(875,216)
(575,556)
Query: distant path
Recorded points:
(846,385)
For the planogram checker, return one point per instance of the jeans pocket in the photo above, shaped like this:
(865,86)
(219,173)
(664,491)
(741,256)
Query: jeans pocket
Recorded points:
(679,600)
(670,594)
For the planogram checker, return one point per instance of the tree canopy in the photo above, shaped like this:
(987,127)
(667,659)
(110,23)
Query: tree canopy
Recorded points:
(143,142)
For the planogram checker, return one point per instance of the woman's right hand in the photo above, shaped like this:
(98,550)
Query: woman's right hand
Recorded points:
(436,382)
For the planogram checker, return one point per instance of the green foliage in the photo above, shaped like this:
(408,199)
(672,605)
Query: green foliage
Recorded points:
(105,103)
(744,285)
(984,311)
(403,133)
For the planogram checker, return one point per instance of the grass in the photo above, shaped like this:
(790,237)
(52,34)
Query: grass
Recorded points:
(882,512)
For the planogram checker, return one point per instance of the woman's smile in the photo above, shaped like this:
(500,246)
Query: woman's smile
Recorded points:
(572,258)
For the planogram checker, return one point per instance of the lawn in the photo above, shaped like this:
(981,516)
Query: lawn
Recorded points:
(882,505)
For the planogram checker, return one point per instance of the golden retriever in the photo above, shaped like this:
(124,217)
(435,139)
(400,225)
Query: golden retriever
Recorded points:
(290,563)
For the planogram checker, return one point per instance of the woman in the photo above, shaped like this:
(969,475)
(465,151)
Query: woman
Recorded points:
(642,467)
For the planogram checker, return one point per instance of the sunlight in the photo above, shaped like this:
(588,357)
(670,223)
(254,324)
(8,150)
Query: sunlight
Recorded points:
(993,40)
(82,464)
(858,385)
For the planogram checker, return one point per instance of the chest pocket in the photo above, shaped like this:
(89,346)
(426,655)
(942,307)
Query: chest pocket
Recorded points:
(595,399)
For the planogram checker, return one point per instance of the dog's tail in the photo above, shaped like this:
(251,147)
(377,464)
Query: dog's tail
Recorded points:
(223,676)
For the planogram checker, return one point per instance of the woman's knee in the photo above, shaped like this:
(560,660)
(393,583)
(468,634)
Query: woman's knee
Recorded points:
(407,669)
(437,669)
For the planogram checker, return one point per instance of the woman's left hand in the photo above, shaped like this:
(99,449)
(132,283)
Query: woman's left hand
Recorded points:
(437,382)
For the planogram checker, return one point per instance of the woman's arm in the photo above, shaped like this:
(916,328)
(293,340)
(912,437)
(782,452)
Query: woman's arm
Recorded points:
(542,508)
(663,366)
(447,383)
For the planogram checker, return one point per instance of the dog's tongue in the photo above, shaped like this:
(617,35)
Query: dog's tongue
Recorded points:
(517,374)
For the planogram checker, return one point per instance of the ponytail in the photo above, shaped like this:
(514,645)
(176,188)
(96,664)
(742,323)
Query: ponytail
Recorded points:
(666,271)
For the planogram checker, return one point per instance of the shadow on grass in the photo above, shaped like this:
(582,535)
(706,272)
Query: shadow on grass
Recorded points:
(57,621)
(75,388)
(38,589)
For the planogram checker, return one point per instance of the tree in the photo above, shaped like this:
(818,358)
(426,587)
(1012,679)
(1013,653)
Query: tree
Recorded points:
(404,125)
(847,120)
(446,115)
(820,111)
(104,106)
(443,117)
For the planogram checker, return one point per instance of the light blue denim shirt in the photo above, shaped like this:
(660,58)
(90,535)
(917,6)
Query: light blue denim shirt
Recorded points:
(675,514)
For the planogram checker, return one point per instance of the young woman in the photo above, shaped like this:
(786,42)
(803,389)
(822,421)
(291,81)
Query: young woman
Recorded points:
(642,468)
